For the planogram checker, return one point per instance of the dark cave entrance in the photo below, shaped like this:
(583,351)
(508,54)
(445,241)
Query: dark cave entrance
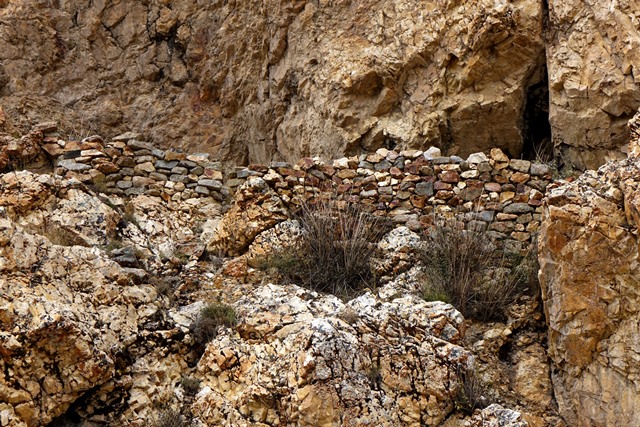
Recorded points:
(536,129)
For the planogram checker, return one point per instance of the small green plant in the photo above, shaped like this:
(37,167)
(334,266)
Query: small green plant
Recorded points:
(332,254)
(212,316)
(434,294)
(190,385)
(467,269)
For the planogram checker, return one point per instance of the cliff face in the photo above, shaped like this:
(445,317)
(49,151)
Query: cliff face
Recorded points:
(594,82)
(252,80)
(589,276)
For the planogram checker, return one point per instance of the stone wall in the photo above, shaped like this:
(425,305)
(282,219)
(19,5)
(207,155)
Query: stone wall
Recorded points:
(413,187)
(127,166)
(485,191)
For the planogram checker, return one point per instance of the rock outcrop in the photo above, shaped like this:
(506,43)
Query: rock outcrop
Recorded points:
(84,298)
(251,80)
(589,274)
(594,82)
(310,360)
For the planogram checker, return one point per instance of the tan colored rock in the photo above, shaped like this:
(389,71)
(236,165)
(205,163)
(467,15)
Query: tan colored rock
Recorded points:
(71,319)
(594,83)
(589,273)
(63,320)
(17,153)
(256,208)
(295,358)
(251,80)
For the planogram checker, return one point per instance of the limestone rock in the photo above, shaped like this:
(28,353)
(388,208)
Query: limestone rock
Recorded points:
(594,84)
(16,153)
(251,80)
(256,208)
(66,315)
(589,273)
(497,416)
(315,361)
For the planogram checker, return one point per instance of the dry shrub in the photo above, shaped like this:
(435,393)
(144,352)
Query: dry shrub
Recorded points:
(469,270)
(170,418)
(470,392)
(212,316)
(334,250)
(190,385)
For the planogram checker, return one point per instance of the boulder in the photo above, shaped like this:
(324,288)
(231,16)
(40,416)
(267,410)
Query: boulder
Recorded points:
(256,208)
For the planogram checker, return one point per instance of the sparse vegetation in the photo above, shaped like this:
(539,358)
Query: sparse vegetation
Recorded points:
(467,269)
(190,385)
(170,418)
(470,393)
(333,252)
(212,316)
(165,285)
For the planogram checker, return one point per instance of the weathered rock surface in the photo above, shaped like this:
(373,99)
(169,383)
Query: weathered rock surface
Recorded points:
(303,359)
(74,324)
(66,314)
(252,80)
(590,271)
(256,209)
(594,81)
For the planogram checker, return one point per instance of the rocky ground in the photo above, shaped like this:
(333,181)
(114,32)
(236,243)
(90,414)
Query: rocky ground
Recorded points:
(100,292)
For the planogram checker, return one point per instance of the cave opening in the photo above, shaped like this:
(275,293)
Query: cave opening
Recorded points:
(536,129)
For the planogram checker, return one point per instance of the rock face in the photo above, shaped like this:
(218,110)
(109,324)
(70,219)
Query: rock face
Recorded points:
(78,321)
(67,313)
(250,81)
(306,360)
(589,275)
(594,81)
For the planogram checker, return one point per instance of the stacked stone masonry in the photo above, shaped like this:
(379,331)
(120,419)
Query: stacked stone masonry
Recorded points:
(413,188)
(129,167)
(489,192)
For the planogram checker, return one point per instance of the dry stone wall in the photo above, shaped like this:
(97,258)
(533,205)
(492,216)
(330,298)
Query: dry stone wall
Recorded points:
(130,167)
(488,192)
(412,187)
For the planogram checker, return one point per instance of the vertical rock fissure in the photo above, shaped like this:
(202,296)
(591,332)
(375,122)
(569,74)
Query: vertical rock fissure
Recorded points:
(536,129)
